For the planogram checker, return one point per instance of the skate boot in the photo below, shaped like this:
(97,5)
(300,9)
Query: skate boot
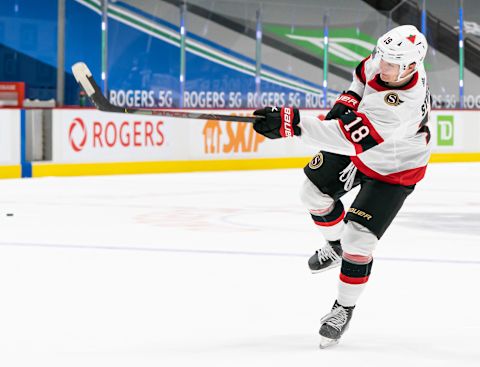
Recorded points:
(334,324)
(329,256)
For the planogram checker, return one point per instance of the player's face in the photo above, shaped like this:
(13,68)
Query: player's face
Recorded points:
(388,71)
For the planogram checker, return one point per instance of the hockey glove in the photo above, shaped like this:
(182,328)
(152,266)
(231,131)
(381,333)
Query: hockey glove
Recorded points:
(279,122)
(347,101)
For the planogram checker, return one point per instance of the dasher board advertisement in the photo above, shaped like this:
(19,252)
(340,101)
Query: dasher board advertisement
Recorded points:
(81,135)
(93,136)
(455,131)
(87,135)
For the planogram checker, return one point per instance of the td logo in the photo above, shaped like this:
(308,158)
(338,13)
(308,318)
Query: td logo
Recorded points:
(445,130)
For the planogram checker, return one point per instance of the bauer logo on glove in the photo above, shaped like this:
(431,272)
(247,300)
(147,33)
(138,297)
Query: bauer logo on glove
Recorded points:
(277,122)
(346,102)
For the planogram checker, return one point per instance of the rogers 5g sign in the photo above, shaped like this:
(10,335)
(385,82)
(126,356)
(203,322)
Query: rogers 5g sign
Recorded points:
(93,136)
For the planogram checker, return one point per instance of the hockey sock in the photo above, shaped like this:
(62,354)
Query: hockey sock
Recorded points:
(353,278)
(330,221)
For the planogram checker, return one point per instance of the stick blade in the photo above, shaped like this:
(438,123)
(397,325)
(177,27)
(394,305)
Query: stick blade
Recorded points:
(84,77)
(82,74)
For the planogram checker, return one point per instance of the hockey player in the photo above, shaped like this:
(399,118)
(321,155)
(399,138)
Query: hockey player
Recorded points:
(375,136)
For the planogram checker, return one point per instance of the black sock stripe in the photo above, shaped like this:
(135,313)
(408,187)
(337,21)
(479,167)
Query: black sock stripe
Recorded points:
(353,270)
(336,213)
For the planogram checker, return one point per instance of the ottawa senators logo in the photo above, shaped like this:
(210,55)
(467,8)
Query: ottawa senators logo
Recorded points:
(316,161)
(392,99)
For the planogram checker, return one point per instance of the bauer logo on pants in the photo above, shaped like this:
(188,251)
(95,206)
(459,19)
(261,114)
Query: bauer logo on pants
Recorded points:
(360,213)
(316,161)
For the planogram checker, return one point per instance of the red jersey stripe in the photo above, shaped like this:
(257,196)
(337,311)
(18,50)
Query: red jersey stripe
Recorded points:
(406,178)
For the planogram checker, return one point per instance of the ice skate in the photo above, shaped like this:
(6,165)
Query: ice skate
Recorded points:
(328,257)
(334,324)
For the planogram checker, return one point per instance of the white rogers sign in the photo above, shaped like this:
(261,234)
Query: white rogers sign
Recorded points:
(93,136)
(108,135)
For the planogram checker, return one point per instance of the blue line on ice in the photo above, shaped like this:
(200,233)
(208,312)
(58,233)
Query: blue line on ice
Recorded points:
(222,252)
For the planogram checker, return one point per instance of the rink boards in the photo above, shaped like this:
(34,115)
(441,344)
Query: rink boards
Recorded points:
(10,142)
(89,142)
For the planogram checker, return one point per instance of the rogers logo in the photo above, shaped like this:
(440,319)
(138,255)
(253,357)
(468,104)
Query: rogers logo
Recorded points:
(86,135)
(77,140)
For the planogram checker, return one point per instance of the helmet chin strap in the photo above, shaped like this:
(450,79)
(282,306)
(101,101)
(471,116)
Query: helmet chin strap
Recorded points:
(405,67)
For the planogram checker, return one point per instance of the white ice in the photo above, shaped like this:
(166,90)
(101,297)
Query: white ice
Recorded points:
(209,269)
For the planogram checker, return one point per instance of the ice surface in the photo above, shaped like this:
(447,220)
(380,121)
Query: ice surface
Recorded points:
(210,269)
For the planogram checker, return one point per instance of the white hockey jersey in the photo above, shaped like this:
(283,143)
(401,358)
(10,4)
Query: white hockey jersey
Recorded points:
(388,137)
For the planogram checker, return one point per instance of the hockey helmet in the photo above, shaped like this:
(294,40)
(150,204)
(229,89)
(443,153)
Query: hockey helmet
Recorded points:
(402,45)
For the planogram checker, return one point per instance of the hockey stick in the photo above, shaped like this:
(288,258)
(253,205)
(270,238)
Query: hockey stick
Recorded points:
(84,78)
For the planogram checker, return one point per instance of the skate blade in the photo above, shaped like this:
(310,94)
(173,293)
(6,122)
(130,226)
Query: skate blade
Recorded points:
(325,269)
(327,342)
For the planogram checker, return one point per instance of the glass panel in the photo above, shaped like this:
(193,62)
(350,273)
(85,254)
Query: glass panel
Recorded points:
(28,45)
(292,54)
(351,31)
(144,50)
(143,54)
(471,35)
(442,61)
(220,59)
(83,36)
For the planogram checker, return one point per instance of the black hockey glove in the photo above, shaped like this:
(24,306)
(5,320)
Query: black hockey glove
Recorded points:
(347,101)
(279,122)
